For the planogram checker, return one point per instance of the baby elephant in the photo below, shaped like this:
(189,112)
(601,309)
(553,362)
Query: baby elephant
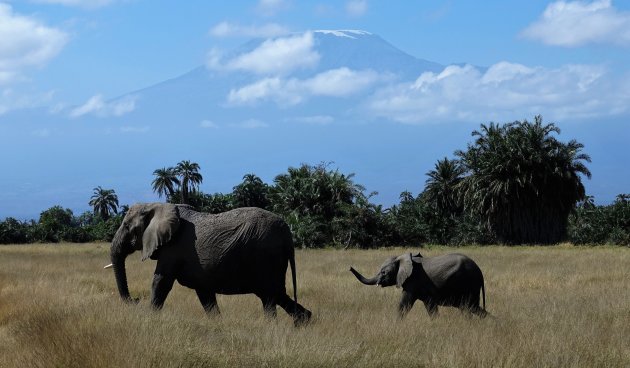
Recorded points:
(449,280)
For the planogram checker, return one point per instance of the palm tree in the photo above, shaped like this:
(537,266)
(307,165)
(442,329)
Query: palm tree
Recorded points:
(104,201)
(190,178)
(523,181)
(440,187)
(165,182)
(252,192)
(588,203)
(314,190)
(293,191)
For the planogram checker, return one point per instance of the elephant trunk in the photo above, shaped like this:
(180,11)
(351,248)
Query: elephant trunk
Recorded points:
(360,277)
(118,263)
(118,256)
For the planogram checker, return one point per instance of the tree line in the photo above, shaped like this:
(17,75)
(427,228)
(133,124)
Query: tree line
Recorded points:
(516,183)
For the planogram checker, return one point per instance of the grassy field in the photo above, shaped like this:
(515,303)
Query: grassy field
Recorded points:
(553,306)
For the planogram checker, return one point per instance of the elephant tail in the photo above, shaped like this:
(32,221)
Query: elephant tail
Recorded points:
(292,264)
(483,294)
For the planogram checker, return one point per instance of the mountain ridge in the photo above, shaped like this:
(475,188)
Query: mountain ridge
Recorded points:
(349,53)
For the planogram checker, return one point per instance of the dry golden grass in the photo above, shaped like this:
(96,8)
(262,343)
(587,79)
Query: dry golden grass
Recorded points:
(554,306)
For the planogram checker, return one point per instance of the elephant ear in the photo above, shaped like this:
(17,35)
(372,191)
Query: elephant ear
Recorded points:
(164,223)
(405,266)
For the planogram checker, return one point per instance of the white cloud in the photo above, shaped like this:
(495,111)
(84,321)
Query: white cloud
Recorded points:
(271,7)
(272,57)
(342,82)
(208,124)
(25,42)
(575,23)
(268,88)
(213,59)
(504,91)
(11,99)
(133,129)
(315,119)
(356,8)
(503,71)
(94,104)
(88,4)
(226,29)
(123,106)
(98,106)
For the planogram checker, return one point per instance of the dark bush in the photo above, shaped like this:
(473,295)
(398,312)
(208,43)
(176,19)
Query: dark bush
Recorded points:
(591,224)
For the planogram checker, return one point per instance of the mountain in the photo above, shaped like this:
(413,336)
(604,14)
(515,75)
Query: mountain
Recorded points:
(265,106)
(203,92)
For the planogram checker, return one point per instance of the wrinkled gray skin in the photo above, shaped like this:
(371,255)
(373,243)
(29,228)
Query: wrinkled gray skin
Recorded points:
(448,280)
(241,251)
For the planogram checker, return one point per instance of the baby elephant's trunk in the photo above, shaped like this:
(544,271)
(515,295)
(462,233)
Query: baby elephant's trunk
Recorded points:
(360,277)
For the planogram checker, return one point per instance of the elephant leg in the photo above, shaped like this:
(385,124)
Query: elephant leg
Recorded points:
(162,285)
(300,314)
(479,311)
(406,302)
(470,305)
(269,306)
(432,308)
(208,301)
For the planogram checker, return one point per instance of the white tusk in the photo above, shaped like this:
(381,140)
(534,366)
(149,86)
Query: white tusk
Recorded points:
(109,266)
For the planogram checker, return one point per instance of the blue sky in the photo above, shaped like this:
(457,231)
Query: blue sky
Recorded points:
(567,60)
(111,47)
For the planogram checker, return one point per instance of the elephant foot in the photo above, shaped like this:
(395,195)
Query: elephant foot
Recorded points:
(469,311)
(302,318)
(212,312)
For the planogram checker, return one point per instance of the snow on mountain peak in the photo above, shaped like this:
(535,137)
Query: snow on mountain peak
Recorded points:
(350,33)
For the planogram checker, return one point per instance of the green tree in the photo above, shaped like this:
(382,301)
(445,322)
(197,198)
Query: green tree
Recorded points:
(104,230)
(54,224)
(313,200)
(190,178)
(408,220)
(620,220)
(252,192)
(362,224)
(165,182)
(313,190)
(13,231)
(441,209)
(210,203)
(215,203)
(592,224)
(104,202)
(523,182)
(85,219)
(587,203)
(440,189)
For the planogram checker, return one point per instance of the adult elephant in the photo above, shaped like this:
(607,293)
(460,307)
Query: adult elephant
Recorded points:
(242,251)
(448,280)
